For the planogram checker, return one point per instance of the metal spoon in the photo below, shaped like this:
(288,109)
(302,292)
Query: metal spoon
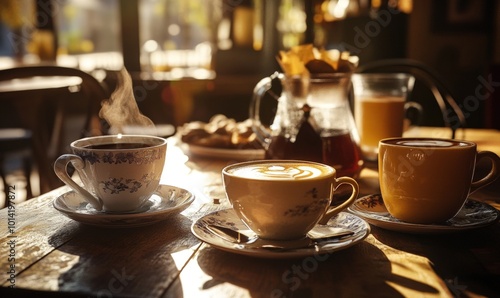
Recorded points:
(253,241)
(230,235)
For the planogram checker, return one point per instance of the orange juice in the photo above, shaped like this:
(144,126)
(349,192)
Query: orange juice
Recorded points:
(378,117)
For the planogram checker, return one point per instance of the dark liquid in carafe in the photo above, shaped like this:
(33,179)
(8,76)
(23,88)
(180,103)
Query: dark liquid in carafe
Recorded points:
(341,152)
(307,145)
(335,148)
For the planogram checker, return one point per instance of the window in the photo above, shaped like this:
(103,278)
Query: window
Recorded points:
(177,37)
(88,33)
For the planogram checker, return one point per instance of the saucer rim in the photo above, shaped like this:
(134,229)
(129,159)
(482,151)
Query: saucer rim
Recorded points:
(412,228)
(119,220)
(287,254)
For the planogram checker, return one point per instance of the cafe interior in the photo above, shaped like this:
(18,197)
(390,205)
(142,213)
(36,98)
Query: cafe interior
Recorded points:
(190,60)
(72,69)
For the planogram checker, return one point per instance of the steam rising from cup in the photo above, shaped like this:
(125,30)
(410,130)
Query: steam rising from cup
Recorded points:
(121,110)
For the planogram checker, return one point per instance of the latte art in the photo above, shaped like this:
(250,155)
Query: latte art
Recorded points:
(428,143)
(292,171)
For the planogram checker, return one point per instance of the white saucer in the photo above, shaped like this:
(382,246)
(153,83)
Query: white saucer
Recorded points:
(473,215)
(166,201)
(228,218)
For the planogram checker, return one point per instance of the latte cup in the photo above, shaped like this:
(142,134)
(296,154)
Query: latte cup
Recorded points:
(428,180)
(119,172)
(284,199)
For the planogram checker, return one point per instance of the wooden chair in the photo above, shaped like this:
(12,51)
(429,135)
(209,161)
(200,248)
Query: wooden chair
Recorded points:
(16,141)
(30,101)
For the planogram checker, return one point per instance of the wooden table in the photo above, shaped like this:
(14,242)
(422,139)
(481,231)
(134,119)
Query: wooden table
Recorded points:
(56,255)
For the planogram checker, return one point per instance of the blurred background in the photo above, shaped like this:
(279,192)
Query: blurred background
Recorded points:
(192,59)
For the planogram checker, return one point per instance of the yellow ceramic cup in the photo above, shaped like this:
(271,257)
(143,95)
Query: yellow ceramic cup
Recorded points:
(427,180)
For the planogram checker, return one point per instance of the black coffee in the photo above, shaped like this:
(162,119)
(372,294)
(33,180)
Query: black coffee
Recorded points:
(118,146)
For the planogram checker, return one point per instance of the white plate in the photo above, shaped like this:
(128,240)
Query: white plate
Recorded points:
(237,154)
(473,215)
(228,218)
(166,201)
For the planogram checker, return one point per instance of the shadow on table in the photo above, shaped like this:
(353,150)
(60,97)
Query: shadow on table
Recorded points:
(115,262)
(462,260)
(27,293)
(355,272)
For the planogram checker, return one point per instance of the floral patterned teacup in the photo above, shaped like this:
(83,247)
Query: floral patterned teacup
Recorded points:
(119,172)
(284,199)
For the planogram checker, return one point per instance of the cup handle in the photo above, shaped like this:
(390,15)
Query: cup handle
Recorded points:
(335,210)
(492,175)
(60,168)
(420,112)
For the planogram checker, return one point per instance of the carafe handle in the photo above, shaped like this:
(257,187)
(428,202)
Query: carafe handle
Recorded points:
(263,86)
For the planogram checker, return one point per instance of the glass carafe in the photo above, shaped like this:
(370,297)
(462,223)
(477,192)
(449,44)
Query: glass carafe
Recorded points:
(313,121)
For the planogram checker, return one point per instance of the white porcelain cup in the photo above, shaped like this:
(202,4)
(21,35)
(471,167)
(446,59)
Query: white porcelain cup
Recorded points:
(428,180)
(284,199)
(119,172)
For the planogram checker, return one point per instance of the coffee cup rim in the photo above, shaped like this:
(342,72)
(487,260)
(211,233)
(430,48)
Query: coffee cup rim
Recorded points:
(391,143)
(105,139)
(225,170)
